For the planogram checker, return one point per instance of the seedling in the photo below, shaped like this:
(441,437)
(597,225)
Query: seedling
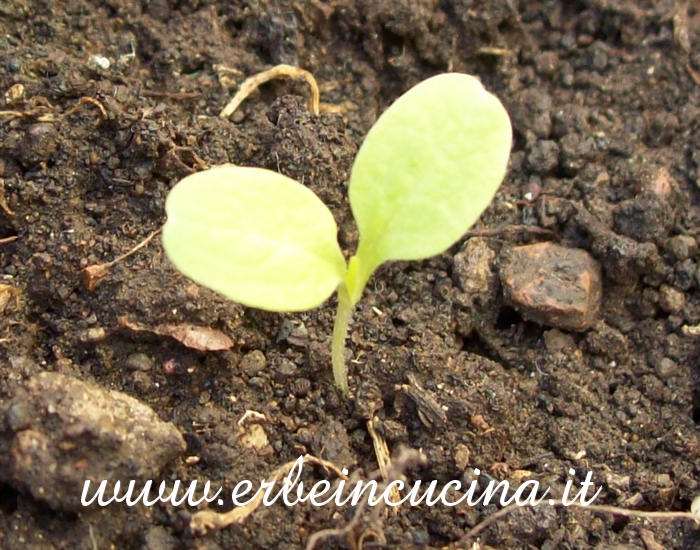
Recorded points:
(426,171)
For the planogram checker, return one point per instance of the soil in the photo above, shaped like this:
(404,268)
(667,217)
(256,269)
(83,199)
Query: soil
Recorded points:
(605,101)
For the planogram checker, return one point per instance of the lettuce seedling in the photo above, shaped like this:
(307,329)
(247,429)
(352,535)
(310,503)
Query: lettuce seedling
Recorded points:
(426,171)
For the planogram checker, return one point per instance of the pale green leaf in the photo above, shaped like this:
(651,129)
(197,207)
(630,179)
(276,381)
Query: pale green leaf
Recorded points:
(427,170)
(255,236)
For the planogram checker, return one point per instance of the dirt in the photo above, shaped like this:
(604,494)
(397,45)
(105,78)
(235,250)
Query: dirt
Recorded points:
(605,101)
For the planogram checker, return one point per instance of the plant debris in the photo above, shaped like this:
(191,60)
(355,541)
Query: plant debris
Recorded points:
(192,336)
(252,83)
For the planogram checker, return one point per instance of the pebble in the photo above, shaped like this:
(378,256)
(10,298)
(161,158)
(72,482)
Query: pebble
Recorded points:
(141,381)
(644,218)
(462,456)
(73,431)
(40,141)
(471,266)
(671,300)
(286,369)
(93,334)
(532,189)
(253,362)
(294,333)
(257,382)
(683,247)
(554,285)
(139,362)
(684,277)
(695,506)
(301,387)
(18,416)
(666,368)
(576,150)
(543,157)
(546,63)
(530,111)
(331,442)
(557,341)
(658,181)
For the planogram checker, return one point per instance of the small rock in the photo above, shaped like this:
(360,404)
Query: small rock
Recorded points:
(695,506)
(462,456)
(253,362)
(40,141)
(14,94)
(141,381)
(299,336)
(92,334)
(644,218)
(284,330)
(659,182)
(472,266)
(570,118)
(530,111)
(294,333)
(666,368)
(255,438)
(303,436)
(576,150)
(77,431)
(257,382)
(331,442)
(671,300)
(532,189)
(546,63)
(286,369)
(683,247)
(139,362)
(553,285)
(301,387)
(543,158)
(18,416)
(599,59)
(684,276)
(557,341)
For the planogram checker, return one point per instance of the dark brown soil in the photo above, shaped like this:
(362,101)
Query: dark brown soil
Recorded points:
(605,101)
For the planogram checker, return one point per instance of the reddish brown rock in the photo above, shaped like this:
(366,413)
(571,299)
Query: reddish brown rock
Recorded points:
(57,432)
(552,285)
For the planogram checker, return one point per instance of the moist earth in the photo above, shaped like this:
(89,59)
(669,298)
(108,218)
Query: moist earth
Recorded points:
(108,104)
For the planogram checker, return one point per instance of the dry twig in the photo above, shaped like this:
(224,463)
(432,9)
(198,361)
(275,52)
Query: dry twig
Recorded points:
(92,274)
(205,520)
(408,458)
(170,95)
(279,71)
(88,100)
(175,149)
(381,450)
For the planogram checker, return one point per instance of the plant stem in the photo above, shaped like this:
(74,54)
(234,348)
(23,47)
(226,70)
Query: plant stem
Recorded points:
(340,330)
